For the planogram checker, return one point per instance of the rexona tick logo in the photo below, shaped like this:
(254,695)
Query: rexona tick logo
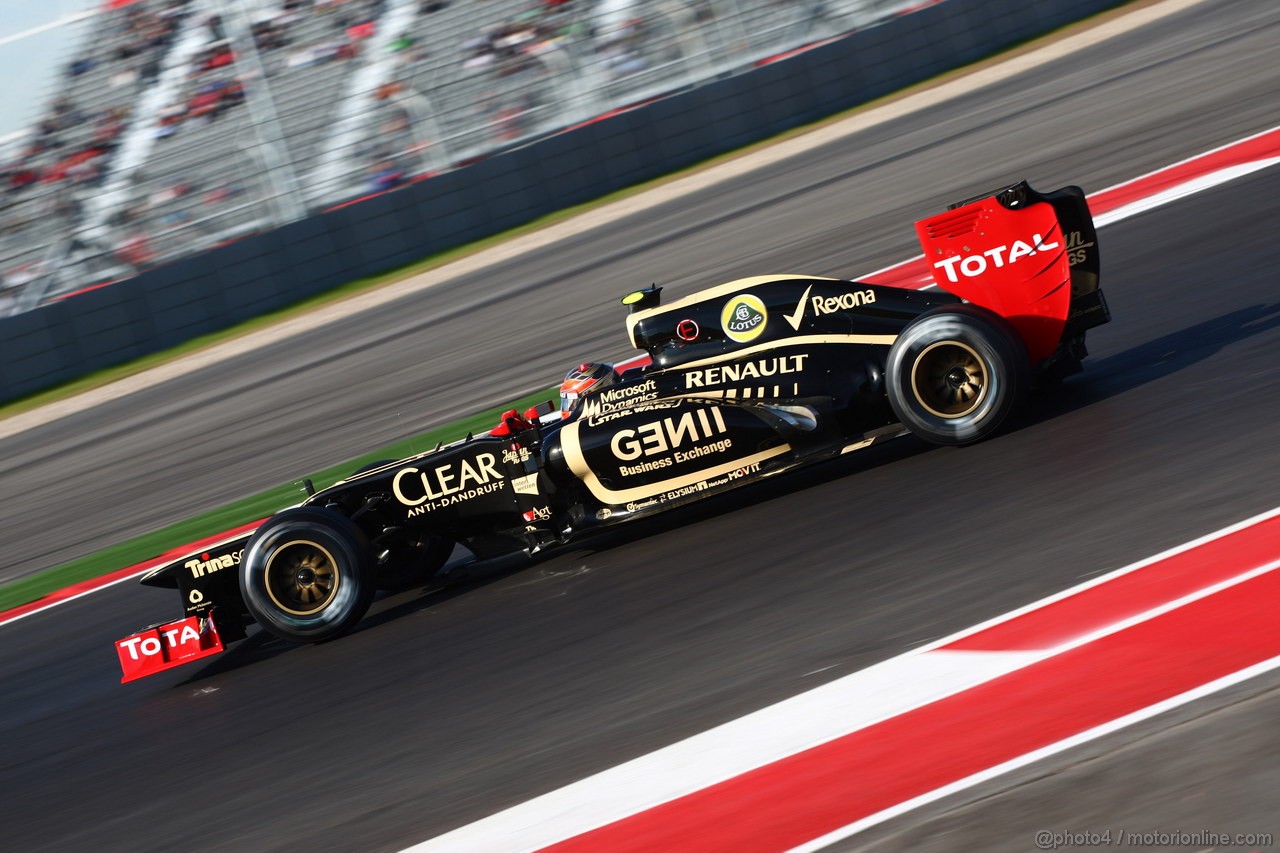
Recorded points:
(743,318)
(829,304)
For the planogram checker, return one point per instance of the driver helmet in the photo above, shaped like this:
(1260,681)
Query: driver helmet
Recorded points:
(586,378)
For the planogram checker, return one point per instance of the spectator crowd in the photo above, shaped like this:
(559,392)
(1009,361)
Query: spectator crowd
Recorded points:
(457,80)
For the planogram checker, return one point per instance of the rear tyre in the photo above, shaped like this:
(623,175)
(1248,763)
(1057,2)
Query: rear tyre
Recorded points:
(955,374)
(307,575)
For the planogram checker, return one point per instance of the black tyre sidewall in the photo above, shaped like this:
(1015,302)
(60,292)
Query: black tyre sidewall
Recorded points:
(998,347)
(349,549)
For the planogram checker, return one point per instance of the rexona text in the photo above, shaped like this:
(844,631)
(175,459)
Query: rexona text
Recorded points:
(413,486)
(843,302)
(668,434)
(976,265)
(776,366)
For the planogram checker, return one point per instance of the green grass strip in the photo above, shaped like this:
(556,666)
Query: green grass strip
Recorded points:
(362,285)
(155,543)
(215,521)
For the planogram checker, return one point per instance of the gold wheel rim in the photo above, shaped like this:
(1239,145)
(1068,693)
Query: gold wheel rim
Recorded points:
(302,577)
(949,379)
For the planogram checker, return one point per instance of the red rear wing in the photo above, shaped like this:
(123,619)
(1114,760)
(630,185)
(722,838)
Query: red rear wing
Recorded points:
(1012,260)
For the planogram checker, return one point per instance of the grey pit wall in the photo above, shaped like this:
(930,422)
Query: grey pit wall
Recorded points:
(204,293)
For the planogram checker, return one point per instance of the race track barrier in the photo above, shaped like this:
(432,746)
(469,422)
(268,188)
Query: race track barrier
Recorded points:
(110,325)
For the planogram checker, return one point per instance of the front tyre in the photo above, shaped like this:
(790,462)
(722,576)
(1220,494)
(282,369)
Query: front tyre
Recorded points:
(307,575)
(955,373)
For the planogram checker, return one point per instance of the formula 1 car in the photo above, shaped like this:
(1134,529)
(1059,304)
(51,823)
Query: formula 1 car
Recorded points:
(745,380)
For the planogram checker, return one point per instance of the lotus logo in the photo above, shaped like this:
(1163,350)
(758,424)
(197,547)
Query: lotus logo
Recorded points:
(743,318)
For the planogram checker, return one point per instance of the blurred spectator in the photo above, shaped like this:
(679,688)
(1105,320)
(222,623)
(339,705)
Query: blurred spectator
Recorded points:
(214,25)
(82,65)
(385,176)
(14,281)
(66,205)
(169,193)
(24,274)
(358,32)
(124,77)
(388,90)
(529,33)
(135,250)
(22,177)
(8,297)
(108,126)
(59,170)
(213,57)
(215,97)
(334,49)
(71,141)
(171,117)
(465,78)
(222,193)
(271,34)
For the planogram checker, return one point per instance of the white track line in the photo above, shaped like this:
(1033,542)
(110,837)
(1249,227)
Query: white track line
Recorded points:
(1183,190)
(987,775)
(890,688)
(809,719)
(670,191)
(1166,196)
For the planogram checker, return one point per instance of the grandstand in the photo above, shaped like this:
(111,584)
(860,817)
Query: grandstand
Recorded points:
(65,156)
(183,124)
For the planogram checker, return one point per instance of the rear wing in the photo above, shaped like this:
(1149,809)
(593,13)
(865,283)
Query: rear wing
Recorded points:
(1031,257)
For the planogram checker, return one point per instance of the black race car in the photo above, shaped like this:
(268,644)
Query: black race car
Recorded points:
(744,381)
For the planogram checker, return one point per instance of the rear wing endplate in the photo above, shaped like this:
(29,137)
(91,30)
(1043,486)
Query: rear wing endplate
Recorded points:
(1030,257)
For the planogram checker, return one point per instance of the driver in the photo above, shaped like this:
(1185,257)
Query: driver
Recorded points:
(586,378)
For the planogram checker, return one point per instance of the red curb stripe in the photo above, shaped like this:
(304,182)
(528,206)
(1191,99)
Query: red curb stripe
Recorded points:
(916,274)
(913,274)
(1261,147)
(1129,595)
(93,584)
(810,794)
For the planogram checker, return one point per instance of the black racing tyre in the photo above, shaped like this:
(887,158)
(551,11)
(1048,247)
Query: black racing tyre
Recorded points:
(307,575)
(955,373)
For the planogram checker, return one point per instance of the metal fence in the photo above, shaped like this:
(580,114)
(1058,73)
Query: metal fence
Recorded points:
(248,115)
(212,290)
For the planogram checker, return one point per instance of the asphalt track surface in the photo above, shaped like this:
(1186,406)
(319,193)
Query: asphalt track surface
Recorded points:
(1213,765)
(446,707)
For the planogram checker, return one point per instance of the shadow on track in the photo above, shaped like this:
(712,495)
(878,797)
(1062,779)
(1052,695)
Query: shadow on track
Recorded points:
(1149,362)
(1102,379)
